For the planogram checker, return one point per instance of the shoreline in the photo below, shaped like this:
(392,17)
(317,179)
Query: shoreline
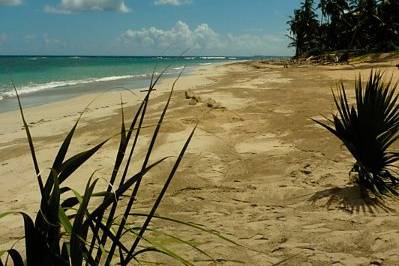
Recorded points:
(77,88)
(258,169)
(105,104)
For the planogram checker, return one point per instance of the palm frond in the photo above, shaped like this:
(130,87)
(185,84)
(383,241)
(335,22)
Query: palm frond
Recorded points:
(368,128)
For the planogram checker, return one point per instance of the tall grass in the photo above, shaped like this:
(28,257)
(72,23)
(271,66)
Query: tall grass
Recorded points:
(368,129)
(72,229)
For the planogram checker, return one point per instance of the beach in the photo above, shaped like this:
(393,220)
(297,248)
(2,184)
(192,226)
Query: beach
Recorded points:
(258,169)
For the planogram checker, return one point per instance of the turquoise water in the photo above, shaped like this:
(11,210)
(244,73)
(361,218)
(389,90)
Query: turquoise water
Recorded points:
(42,79)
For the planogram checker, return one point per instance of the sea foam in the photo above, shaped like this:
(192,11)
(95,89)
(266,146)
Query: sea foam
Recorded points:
(32,88)
(213,57)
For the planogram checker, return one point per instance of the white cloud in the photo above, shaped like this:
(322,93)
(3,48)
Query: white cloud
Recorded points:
(172,2)
(30,37)
(200,40)
(203,37)
(47,40)
(56,10)
(11,2)
(71,6)
(3,38)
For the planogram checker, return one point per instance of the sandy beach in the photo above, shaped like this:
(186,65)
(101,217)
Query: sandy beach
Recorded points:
(258,169)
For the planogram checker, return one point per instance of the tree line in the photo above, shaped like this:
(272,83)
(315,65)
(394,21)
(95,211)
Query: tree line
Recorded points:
(350,25)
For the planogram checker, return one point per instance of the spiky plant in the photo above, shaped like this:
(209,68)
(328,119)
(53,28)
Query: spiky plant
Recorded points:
(67,231)
(368,129)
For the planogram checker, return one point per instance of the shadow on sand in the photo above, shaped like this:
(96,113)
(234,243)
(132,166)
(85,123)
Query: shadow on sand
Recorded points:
(351,199)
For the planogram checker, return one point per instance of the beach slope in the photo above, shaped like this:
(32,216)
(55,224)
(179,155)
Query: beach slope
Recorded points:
(258,168)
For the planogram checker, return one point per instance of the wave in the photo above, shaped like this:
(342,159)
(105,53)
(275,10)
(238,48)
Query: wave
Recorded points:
(213,57)
(178,68)
(36,58)
(32,88)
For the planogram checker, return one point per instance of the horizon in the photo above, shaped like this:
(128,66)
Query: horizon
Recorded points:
(177,56)
(145,28)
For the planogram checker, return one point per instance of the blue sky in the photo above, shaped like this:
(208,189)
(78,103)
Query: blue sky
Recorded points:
(145,27)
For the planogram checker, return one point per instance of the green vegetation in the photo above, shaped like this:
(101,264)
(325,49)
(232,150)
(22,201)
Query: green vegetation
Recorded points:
(359,26)
(92,228)
(368,129)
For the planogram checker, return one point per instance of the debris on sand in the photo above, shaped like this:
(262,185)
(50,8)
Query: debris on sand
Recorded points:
(211,103)
(194,99)
(189,94)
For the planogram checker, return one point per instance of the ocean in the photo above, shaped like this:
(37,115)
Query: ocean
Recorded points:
(44,79)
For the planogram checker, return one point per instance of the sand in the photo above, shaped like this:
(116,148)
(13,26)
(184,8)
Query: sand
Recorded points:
(258,168)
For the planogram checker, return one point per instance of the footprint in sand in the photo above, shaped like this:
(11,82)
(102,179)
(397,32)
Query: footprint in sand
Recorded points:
(264,144)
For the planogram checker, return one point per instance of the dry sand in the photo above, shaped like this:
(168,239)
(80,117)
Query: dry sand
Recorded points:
(258,170)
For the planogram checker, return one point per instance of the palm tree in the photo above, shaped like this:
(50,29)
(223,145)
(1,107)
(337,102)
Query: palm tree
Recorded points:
(336,13)
(333,9)
(388,11)
(361,25)
(304,28)
(367,25)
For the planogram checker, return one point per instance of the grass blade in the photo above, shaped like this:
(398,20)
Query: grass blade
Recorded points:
(16,257)
(31,146)
(72,164)
(79,230)
(147,157)
(160,196)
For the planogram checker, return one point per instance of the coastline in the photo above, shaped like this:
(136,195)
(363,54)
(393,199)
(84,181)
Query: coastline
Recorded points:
(258,169)
(61,90)
(105,103)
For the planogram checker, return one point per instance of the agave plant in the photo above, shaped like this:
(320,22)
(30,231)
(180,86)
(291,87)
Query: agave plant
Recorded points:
(66,231)
(368,129)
